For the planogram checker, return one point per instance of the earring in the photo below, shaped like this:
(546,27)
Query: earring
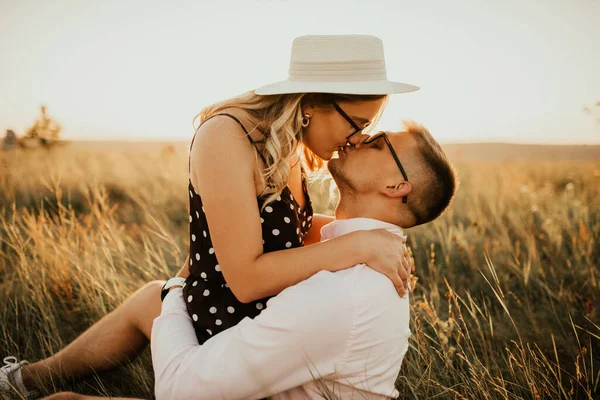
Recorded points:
(305,120)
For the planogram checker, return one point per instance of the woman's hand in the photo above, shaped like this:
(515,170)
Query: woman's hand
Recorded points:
(184,272)
(387,253)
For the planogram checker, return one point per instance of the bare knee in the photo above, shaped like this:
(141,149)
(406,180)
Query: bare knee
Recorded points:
(150,291)
(145,305)
(154,286)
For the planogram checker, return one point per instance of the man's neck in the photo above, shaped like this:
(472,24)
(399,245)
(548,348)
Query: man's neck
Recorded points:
(348,209)
(361,207)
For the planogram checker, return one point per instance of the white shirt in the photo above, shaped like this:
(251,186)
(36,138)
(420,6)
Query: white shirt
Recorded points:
(342,332)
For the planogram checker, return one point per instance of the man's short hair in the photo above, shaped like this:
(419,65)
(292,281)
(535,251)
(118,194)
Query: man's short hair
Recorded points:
(437,174)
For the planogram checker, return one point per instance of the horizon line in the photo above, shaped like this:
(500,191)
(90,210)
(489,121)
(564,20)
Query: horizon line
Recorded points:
(180,139)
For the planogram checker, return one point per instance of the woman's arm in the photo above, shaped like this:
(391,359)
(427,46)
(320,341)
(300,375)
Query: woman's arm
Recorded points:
(314,233)
(224,165)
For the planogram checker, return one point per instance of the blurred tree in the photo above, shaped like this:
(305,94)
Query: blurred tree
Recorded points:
(593,110)
(45,129)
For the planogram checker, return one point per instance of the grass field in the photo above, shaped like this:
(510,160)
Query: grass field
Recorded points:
(507,305)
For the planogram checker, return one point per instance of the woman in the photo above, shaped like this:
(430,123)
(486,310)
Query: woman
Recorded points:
(251,191)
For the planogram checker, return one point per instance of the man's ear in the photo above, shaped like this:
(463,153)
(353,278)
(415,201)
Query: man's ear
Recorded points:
(396,191)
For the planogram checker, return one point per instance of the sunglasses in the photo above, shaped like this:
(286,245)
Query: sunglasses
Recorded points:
(379,136)
(347,118)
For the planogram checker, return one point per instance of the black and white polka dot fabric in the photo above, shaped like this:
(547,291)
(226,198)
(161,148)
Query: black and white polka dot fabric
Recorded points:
(211,304)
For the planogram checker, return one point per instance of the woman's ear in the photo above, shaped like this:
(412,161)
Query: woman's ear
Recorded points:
(396,191)
(308,109)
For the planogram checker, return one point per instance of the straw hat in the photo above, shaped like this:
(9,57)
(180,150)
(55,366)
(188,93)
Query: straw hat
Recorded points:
(351,64)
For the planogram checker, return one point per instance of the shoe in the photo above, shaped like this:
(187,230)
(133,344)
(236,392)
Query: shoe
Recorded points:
(11,380)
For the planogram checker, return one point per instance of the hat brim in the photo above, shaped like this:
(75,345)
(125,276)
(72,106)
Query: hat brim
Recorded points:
(366,87)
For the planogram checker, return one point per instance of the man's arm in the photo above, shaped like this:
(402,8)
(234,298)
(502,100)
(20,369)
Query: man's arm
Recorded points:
(296,339)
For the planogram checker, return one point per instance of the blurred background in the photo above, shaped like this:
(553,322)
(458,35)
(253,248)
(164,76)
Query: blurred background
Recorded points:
(489,71)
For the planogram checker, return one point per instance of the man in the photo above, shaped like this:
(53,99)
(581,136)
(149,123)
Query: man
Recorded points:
(343,333)
(340,335)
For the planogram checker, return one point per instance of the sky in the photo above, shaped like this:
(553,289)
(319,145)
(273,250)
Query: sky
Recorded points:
(516,71)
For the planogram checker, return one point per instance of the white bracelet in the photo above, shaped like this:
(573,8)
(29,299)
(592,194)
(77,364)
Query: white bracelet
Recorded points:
(176,281)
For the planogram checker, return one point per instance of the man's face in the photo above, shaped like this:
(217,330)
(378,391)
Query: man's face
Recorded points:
(371,167)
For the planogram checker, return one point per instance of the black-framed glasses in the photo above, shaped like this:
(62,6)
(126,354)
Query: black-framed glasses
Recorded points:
(380,135)
(347,118)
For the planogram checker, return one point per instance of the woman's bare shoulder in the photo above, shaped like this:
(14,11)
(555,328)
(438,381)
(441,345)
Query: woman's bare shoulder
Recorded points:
(218,124)
(222,130)
(251,124)
(220,144)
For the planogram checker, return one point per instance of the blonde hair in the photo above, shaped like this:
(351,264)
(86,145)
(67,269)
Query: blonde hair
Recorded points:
(282,114)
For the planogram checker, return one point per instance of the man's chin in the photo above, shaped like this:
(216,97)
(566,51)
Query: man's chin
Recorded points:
(335,169)
(334,165)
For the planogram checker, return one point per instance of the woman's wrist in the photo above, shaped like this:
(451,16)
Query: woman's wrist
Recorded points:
(362,250)
(355,250)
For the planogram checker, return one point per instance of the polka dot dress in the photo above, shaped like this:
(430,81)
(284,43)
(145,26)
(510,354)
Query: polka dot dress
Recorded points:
(210,302)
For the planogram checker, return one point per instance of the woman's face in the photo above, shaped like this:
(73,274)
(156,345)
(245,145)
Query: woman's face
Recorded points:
(328,130)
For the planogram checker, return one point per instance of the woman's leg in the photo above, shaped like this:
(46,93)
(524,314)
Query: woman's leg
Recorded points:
(119,335)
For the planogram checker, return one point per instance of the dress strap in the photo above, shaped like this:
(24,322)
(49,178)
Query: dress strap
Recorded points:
(245,131)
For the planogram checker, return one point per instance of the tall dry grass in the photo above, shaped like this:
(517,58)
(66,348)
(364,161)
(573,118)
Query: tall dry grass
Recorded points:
(506,306)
